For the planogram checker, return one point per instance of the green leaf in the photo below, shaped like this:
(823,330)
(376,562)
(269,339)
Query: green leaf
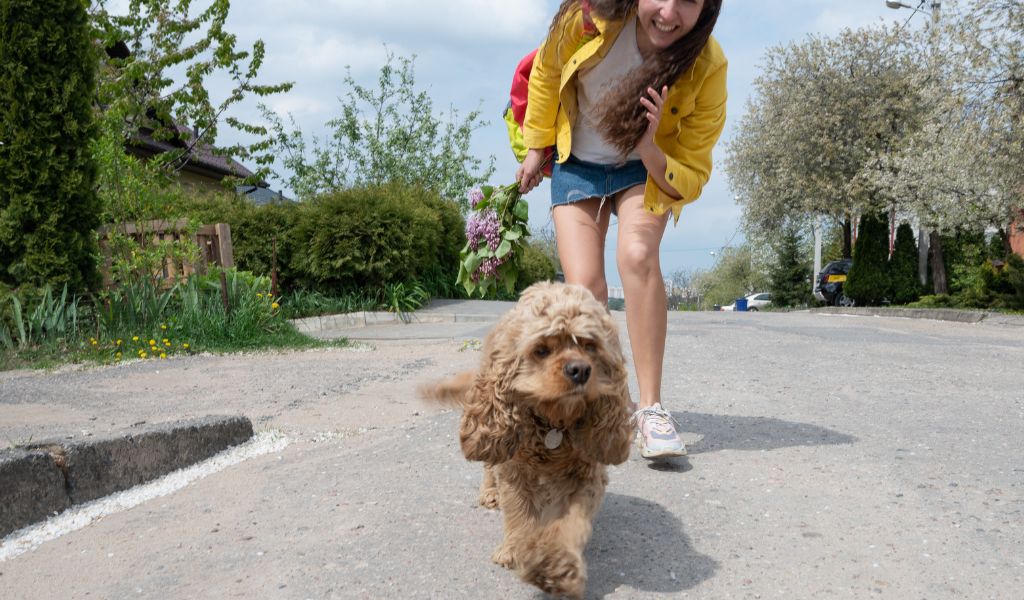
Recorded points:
(472,262)
(512,234)
(521,210)
(504,248)
(510,281)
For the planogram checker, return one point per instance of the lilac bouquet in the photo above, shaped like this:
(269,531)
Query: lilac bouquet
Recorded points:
(496,235)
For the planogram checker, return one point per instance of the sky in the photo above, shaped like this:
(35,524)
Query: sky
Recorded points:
(465,52)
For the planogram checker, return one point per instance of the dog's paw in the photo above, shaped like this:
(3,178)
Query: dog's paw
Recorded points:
(563,575)
(489,498)
(503,556)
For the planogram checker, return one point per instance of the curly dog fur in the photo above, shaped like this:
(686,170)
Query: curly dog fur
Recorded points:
(552,362)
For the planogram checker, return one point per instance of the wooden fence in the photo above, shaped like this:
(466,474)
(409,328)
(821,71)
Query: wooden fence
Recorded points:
(214,243)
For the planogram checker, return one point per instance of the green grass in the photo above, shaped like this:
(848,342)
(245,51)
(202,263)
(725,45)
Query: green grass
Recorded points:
(142,321)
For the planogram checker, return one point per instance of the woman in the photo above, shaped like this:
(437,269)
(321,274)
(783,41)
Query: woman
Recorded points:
(634,114)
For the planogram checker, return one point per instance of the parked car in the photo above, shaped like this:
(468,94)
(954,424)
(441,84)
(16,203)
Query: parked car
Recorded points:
(755,302)
(829,286)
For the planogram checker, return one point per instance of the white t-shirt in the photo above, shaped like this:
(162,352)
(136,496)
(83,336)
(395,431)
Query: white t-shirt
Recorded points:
(591,87)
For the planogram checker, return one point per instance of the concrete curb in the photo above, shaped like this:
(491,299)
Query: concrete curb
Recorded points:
(44,478)
(937,314)
(367,319)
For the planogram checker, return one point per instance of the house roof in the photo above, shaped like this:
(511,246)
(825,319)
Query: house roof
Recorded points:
(260,195)
(202,157)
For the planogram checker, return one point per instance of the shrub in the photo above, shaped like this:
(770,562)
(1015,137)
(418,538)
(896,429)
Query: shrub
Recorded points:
(963,254)
(868,280)
(906,286)
(789,276)
(49,209)
(253,233)
(439,278)
(1015,278)
(365,238)
(535,266)
(934,301)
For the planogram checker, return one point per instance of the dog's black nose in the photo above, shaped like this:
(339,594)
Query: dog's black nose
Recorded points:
(577,371)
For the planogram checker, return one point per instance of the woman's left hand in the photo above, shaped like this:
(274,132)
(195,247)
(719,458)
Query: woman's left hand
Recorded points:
(654,104)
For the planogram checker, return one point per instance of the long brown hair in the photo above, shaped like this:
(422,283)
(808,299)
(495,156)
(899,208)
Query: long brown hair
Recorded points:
(621,118)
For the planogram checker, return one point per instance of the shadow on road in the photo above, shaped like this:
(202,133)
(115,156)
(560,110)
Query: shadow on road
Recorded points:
(639,544)
(726,432)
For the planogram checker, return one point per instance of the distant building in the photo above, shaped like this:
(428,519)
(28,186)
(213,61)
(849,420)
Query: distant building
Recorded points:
(1016,235)
(203,168)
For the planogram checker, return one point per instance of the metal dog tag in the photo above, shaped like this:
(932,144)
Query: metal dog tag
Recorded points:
(553,439)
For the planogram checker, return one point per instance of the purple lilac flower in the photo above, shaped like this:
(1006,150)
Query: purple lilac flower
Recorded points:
(488,268)
(475,196)
(484,227)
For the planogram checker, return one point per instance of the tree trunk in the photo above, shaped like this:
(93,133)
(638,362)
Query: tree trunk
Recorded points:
(938,264)
(847,238)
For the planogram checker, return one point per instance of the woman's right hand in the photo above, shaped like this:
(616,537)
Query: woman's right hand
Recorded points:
(530,172)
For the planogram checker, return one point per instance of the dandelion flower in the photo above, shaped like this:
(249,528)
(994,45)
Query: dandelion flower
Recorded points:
(163,355)
(162,326)
(275,306)
(118,356)
(118,342)
(258,295)
(152,342)
(185,346)
(135,338)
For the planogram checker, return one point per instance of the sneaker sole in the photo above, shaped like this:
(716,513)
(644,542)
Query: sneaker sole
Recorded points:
(666,453)
(661,453)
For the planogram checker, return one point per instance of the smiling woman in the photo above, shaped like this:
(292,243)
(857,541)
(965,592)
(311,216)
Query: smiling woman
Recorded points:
(634,114)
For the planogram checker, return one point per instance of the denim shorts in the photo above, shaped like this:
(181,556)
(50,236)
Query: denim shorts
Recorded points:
(576,180)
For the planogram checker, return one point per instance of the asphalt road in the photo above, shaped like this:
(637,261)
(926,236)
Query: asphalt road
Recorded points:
(839,457)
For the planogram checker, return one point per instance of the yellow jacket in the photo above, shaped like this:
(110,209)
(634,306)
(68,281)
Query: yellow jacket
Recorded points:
(691,122)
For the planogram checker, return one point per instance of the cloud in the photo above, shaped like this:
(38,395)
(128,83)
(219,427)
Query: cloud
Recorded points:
(299,105)
(482,20)
(834,20)
(314,54)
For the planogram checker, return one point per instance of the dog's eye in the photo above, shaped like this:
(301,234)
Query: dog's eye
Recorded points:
(590,347)
(541,351)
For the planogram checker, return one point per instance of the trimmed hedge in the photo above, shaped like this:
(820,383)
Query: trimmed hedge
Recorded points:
(868,280)
(906,287)
(354,240)
(369,237)
(49,209)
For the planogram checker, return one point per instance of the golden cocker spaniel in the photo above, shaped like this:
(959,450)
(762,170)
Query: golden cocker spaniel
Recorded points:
(547,409)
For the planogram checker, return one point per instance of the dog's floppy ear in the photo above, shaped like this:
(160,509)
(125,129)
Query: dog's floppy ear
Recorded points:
(488,431)
(609,433)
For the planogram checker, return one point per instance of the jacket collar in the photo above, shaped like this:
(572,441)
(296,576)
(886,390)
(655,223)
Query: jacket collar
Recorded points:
(609,32)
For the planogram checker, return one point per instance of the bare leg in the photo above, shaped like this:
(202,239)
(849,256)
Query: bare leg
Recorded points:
(639,264)
(580,229)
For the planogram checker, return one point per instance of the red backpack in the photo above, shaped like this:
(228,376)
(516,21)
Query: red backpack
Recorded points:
(515,110)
